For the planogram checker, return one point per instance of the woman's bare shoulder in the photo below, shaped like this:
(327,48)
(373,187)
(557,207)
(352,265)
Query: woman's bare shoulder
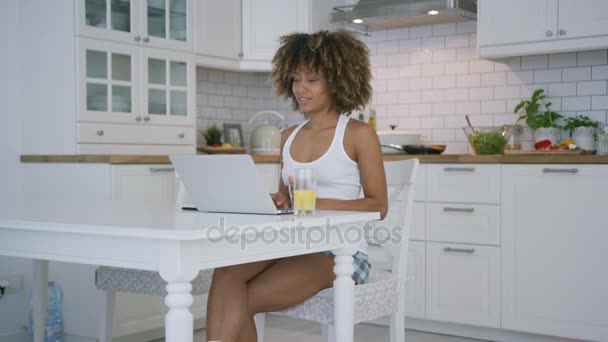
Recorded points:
(287,131)
(361,130)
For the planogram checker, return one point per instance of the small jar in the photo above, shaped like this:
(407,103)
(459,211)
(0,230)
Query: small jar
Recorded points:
(514,141)
(602,140)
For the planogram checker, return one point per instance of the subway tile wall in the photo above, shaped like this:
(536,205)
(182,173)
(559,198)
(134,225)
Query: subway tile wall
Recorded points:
(234,97)
(426,79)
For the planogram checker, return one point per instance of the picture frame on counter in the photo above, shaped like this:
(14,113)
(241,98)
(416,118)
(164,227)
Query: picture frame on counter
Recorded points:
(233,134)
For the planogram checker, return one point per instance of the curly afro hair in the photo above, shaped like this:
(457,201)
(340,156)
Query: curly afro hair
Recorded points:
(338,56)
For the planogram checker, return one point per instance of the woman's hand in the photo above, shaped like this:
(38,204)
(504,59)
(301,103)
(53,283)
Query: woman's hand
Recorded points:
(280,200)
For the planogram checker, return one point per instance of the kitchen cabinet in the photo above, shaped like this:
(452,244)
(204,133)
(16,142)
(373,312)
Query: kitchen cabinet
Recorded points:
(415,290)
(251,29)
(519,27)
(101,96)
(219,16)
(553,250)
(167,24)
(143,183)
(463,284)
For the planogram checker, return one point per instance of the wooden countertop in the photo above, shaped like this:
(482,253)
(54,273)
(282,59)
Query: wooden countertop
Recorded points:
(447,158)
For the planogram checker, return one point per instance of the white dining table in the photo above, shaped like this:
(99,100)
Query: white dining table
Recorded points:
(176,243)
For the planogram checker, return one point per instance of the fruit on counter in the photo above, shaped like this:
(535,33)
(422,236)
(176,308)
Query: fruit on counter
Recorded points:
(227,145)
(563,145)
(216,145)
(543,145)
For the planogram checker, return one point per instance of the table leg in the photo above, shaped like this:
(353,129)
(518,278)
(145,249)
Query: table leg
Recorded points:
(344,295)
(179,322)
(40,278)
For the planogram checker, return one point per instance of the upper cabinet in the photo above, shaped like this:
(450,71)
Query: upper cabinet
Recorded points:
(156,23)
(250,29)
(264,21)
(521,27)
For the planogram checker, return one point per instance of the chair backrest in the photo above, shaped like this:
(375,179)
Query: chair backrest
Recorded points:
(392,233)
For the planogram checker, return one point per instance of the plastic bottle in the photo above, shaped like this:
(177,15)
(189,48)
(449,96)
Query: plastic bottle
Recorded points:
(372,118)
(361,117)
(53,328)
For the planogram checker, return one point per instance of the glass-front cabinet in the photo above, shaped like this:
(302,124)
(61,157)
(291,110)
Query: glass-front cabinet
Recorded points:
(108,77)
(168,87)
(158,23)
(122,83)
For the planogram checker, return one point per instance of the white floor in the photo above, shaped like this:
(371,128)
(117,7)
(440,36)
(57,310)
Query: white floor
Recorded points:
(280,329)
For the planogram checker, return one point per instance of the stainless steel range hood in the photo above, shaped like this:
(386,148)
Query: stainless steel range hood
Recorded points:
(385,14)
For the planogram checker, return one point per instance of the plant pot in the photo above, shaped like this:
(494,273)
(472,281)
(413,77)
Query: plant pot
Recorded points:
(584,137)
(547,133)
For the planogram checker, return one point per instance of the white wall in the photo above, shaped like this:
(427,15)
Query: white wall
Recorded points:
(426,78)
(12,306)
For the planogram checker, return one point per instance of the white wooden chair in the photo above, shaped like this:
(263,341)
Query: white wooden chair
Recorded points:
(384,293)
(125,280)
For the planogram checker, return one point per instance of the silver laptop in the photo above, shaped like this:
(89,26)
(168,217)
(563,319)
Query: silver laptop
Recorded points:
(225,184)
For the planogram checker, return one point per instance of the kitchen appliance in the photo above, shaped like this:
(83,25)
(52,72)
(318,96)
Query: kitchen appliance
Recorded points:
(266,138)
(385,14)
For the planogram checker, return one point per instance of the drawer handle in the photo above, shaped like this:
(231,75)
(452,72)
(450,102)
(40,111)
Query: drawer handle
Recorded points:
(146,118)
(467,169)
(459,250)
(549,170)
(466,210)
(162,169)
(181,135)
(138,118)
(100,132)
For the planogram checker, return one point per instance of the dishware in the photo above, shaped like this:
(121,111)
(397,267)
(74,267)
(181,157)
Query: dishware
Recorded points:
(304,192)
(488,140)
(424,149)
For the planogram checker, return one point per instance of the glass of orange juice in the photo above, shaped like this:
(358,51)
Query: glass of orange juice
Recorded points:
(305,192)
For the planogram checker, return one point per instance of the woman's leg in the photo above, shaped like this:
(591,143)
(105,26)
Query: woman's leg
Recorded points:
(227,302)
(284,284)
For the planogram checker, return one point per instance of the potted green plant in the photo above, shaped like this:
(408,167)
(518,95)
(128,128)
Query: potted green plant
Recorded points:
(213,136)
(544,123)
(582,130)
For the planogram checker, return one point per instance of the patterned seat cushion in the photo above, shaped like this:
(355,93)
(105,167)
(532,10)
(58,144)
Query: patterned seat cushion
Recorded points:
(374,299)
(128,280)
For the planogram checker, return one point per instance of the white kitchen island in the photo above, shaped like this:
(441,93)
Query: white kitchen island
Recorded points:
(177,244)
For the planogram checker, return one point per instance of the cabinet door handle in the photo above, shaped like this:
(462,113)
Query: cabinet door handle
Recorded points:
(550,170)
(137,38)
(100,132)
(549,33)
(138,118)
(467,169)
(146,118)
(162,169)
(459,250)
(146,39)
(181,135)
(562,32)
(466,210)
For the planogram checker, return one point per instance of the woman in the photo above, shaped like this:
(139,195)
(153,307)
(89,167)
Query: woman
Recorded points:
(324,75)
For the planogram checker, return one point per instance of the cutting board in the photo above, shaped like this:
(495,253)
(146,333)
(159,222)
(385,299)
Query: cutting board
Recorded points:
(551,152)
(222,150)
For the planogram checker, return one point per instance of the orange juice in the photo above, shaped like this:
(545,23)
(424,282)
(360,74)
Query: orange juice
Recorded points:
(304,200)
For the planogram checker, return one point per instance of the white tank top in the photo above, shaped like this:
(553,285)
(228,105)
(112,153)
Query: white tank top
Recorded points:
(337,175)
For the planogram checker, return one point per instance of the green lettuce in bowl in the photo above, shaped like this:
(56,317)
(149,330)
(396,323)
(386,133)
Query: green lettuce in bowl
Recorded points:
(487,140)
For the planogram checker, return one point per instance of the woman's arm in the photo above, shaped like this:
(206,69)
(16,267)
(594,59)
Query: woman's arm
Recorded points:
(281,199)
(373,179)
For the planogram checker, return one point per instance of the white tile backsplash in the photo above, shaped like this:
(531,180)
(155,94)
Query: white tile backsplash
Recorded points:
(426,78)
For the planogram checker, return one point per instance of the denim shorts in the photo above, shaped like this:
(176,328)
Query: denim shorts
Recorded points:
(361,265)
